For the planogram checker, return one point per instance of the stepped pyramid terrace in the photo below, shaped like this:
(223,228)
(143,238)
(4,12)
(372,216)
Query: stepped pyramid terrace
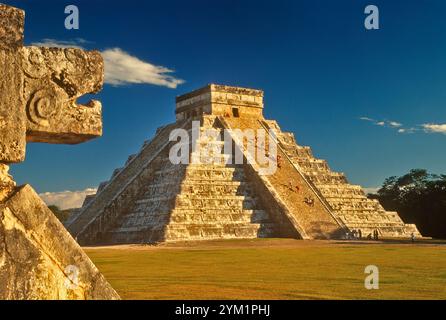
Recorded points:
(223,171)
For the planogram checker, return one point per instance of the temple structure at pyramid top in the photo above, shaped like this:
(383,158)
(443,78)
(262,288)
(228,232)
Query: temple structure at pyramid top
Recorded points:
(220,100)
(153,198)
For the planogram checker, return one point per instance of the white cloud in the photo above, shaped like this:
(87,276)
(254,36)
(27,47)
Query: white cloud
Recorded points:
(53,43)
(434,128)
(371,190)
(408,130)
(382,123)
(395,124)
(390,124)
(67,199)
(121,68)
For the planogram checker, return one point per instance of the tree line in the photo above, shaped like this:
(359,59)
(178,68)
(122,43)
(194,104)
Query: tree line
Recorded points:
(420,198)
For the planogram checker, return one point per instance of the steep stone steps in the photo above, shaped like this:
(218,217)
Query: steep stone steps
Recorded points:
(92,220)
(178,232)
(193,202)
(199,187)
(190,216)
(219,216)
(348,202)
(311,220)
(325,178)
(190,227)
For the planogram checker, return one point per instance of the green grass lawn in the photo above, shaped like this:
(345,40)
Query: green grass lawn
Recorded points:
(273,269)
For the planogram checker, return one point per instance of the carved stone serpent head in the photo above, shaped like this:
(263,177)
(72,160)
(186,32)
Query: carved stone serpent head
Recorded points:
(39,88)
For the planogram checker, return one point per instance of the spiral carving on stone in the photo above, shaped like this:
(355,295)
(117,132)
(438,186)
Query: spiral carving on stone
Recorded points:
(42,106)
(34,63)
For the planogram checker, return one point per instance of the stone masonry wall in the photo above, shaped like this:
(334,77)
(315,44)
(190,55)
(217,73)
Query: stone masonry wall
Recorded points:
(348,202)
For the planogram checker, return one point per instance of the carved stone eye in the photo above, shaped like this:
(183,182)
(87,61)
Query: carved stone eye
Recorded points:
(35,58)
(42,106)
(34,64)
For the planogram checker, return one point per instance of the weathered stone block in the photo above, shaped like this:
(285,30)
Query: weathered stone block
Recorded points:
(38,257)
(39,88)
(12,22)
(12,112)
(38,91)
(7,185)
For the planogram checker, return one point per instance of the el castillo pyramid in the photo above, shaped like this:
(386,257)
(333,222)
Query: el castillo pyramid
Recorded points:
(151,199)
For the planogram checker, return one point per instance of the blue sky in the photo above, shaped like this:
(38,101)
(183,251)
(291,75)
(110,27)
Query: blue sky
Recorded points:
(321,71)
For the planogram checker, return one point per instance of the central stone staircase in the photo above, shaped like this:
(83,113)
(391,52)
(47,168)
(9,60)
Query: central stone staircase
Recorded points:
(205,201)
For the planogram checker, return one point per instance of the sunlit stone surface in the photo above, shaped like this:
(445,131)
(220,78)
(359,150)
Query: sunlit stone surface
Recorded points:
(152,200)
(38,91)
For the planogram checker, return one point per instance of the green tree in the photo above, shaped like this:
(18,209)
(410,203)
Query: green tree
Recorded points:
(420,198)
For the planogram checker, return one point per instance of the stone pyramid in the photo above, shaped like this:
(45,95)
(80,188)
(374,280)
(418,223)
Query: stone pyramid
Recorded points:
(155,199)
